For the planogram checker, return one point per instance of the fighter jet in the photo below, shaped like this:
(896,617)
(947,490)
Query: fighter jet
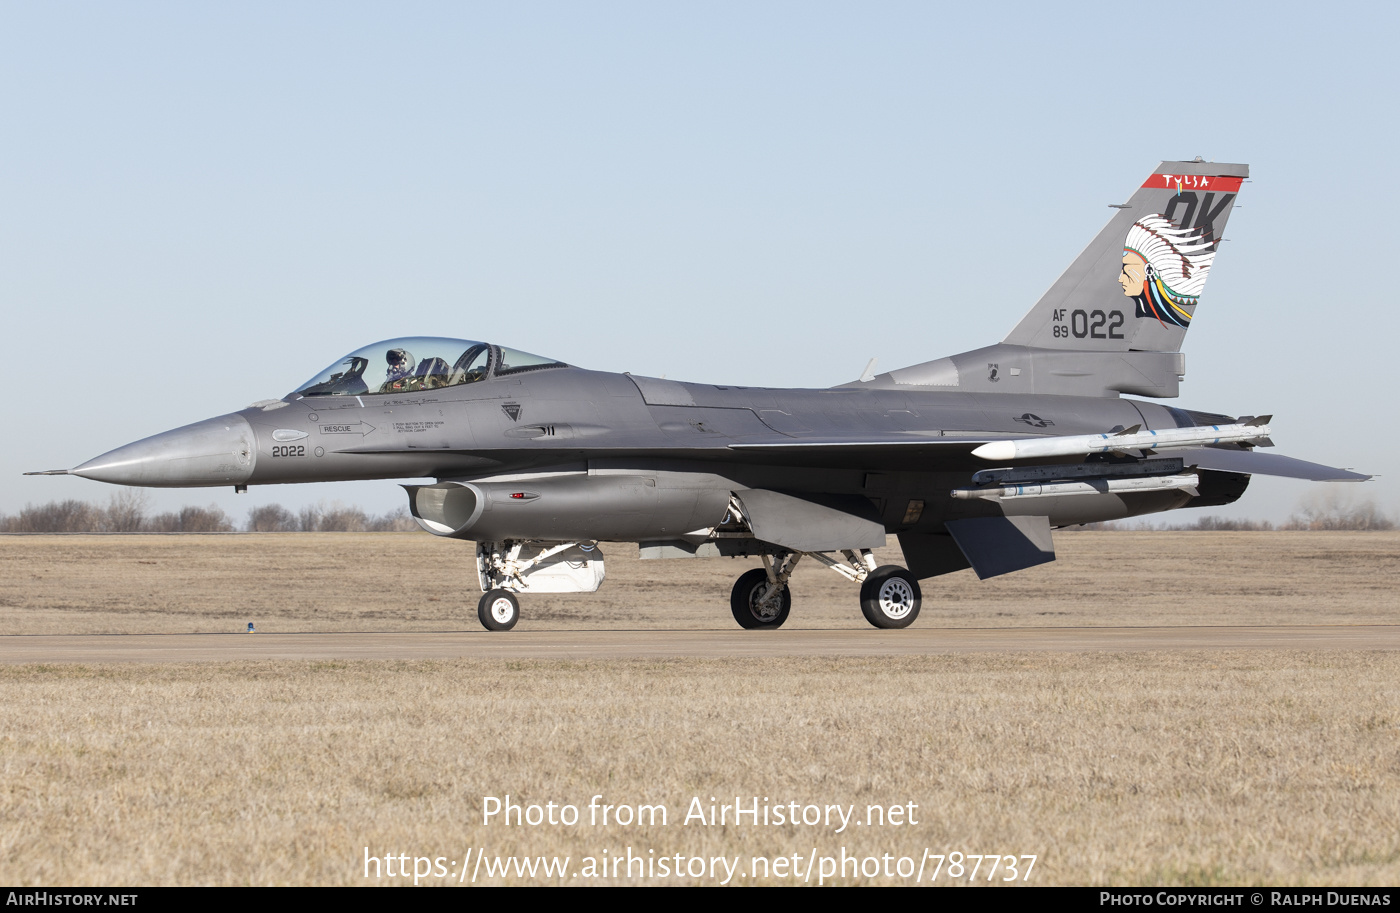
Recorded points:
(970,460)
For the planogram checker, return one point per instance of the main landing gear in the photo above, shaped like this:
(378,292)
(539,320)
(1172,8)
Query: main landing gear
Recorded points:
(757,603)
(889,595)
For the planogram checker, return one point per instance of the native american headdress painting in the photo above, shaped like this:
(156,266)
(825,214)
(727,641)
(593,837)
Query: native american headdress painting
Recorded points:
(1165,268)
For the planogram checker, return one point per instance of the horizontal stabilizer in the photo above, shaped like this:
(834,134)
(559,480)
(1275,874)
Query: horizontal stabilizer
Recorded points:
(1267,464)
(1000,545)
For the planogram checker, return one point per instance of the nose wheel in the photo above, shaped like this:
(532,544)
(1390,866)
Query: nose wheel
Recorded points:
(498,610)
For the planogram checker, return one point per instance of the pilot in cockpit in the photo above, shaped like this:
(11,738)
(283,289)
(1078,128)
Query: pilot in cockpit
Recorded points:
(400,370)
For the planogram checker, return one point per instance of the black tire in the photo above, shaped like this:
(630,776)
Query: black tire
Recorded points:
(498,610)
(744,602)
(890,597)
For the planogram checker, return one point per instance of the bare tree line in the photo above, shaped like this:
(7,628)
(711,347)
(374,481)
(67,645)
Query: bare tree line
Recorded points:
(274,518)
(1326,512)
(128,511)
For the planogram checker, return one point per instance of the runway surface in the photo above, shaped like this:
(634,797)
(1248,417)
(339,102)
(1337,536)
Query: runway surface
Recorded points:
(717,644)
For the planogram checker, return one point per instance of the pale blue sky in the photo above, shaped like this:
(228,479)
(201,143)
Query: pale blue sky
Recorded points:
(202,206)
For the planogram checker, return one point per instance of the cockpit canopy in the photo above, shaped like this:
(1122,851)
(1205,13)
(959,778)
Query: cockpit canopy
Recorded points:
(420,363)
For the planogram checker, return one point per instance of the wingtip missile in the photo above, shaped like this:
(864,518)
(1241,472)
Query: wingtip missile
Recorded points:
(1125,440)
(997,451)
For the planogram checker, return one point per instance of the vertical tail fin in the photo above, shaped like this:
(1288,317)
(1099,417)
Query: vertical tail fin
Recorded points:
(1137,284)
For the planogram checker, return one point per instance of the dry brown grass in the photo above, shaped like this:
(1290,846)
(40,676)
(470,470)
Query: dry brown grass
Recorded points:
(417,582)
(1144,769)
(1147,768)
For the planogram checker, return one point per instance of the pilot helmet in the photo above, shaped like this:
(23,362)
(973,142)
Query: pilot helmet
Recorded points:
(400,363)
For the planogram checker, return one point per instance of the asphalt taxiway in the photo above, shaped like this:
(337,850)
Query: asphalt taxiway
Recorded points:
(717,644)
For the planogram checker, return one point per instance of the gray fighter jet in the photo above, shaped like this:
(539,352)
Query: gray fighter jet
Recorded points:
(970,460)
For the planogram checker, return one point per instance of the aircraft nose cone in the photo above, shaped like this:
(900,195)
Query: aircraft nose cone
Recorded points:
(217,451)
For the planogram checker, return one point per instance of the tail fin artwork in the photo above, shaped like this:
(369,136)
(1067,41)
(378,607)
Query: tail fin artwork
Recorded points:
(1137,285)
(1114,321)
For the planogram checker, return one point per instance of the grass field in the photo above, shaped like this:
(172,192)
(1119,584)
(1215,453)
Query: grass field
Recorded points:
(1193,767)
(417,582)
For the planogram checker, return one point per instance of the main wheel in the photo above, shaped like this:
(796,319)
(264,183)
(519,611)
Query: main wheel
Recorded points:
(498,610)
(890,597)
(754,604)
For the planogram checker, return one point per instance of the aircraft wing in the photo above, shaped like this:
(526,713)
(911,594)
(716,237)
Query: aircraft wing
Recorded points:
(1251,462)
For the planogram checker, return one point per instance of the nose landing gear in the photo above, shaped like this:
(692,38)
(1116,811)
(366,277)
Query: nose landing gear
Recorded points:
(498,610)
(506,569)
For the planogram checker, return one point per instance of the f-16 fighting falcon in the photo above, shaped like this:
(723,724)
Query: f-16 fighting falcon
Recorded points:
(970,460)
